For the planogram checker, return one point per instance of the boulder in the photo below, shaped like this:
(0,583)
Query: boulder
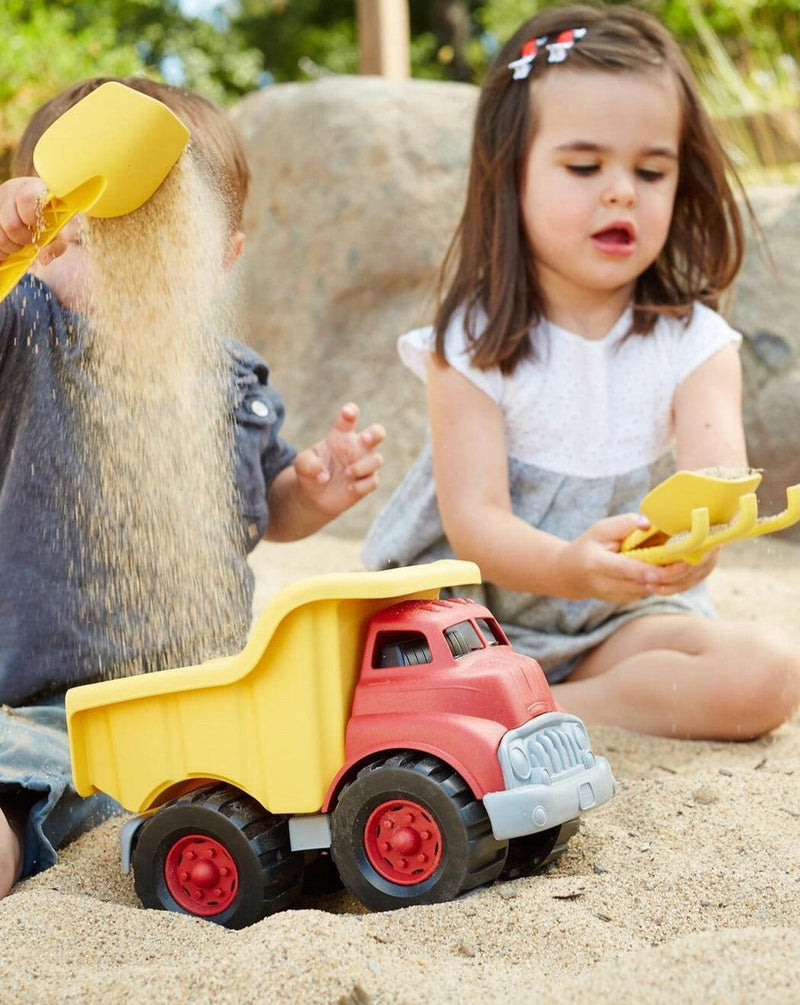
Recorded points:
(765,308)
(358,184)
(357,187)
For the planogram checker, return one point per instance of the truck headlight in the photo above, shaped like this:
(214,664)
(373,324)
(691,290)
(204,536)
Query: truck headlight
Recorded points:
(520,764)
(581,736)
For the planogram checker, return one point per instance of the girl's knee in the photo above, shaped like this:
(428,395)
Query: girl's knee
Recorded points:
(781,681)
(761,687)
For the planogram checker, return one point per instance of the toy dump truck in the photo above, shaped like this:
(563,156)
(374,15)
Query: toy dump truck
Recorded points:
(366,718)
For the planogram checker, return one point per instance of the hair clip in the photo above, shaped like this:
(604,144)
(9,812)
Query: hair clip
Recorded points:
(557,51)
(522,66)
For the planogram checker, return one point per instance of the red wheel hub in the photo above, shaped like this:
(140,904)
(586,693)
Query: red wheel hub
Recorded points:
(403,842)
(201,875)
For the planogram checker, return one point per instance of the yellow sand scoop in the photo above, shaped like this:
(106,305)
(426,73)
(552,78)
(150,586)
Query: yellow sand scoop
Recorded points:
(694,512)
(105,156)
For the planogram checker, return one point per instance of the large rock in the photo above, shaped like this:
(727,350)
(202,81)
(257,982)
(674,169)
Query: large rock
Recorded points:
(766,308)
(358,185)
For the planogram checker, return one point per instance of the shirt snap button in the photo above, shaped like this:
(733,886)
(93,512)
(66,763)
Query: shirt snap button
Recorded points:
(257,407)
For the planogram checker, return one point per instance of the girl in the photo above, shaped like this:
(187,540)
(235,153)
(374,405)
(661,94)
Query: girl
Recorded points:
(575,359)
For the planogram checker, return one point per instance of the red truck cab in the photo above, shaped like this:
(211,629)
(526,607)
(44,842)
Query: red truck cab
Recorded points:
(454,747)
(441,676)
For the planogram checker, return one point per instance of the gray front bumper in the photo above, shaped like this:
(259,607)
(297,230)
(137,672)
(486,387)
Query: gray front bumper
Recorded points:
(531,808)
(551,775)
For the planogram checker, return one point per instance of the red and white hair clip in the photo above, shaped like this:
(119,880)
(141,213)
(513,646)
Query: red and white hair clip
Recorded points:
(557,51)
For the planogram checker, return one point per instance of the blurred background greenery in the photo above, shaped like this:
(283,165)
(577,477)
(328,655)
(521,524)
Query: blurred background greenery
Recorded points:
(745,53)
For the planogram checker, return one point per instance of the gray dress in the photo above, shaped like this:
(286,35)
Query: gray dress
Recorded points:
(604,410)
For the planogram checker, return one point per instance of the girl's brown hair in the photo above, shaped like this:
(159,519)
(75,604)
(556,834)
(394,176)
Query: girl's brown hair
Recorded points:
(489,270)
(214,140)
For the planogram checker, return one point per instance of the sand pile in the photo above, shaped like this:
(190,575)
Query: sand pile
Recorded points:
(685,887)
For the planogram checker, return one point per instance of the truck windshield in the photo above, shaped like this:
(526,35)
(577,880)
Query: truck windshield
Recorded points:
(462,639)
(401,649)
(491,632)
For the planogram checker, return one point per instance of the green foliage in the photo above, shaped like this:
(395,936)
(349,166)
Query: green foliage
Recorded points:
(48,44)
(300,38)
(743,51)
(44,50)
(501,18)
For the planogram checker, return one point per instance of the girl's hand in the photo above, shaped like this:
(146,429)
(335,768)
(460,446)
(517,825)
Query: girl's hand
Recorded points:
(595,567)
(20,202)
(681,576)
(343,468)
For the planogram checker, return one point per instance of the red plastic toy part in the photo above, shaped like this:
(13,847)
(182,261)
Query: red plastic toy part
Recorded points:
(403,842)
(201,875)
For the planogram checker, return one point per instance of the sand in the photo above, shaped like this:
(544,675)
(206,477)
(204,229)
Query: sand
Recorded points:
(686,887)
(157,438)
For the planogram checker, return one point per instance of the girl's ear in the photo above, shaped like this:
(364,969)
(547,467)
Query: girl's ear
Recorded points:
(234,249)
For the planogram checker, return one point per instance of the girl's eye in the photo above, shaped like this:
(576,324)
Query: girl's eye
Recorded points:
(583,168)
(649,174)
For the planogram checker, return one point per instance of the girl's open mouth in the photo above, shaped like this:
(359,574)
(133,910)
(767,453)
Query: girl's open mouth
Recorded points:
(618,239)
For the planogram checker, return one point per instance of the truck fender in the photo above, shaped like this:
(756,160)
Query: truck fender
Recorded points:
(127,840)
(467,744)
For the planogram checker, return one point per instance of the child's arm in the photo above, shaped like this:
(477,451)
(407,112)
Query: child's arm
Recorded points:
(471,473)
(20,199)
(708,414)
(325,480)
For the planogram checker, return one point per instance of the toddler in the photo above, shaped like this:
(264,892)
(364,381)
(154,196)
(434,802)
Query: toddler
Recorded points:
(60,554)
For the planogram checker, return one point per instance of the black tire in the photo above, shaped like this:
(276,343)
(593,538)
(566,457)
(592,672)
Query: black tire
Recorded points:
(450,829)
(532,853)
(222,849)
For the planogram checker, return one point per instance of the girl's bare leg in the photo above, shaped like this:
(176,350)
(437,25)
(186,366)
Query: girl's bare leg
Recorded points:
(685,676)
(10,850)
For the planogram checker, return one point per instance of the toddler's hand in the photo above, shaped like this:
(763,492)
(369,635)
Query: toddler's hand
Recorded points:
(19,209)
(343,468)
(597,568)
(20,199)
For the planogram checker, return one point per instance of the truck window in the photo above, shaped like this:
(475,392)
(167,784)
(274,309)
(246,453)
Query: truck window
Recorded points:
(462,639)
(491,632)
(400,649)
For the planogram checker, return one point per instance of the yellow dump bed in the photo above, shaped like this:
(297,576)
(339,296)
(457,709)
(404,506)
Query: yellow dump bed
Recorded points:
(270,720)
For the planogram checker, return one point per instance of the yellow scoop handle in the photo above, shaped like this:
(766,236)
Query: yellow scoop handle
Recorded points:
(711,525)
(105,156)
(55,215)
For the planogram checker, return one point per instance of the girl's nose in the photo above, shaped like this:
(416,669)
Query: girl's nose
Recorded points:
(620,190)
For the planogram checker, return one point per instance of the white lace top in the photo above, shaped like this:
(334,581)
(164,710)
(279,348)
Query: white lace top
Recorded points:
(588,408)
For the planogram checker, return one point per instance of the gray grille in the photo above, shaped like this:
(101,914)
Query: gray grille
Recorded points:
(545,748)
(555,749)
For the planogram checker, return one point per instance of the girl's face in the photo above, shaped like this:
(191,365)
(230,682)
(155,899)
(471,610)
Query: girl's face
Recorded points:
(599,184)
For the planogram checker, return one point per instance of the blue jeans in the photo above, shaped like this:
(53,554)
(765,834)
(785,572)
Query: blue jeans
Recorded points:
(35,769)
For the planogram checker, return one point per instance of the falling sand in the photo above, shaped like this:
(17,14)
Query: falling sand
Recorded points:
(161,557)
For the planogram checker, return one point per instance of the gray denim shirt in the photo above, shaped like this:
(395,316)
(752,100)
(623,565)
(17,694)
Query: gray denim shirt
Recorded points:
(44,648)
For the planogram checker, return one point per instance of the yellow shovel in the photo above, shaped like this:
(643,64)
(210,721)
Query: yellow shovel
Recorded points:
(105,156)
(692,513)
